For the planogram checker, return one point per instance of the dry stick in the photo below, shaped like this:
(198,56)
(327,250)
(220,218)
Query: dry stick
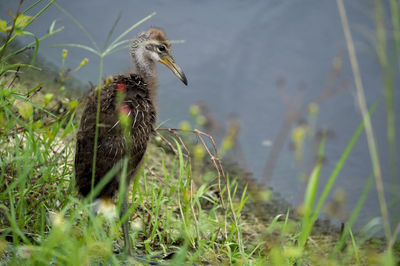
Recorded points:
(182,143)
(168,143)
(212,157)
(180,140)
(219,182)
(368,127)
(29,96)
(218,166)
(14,78)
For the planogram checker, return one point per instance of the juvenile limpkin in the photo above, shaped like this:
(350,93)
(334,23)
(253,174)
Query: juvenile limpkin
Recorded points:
(138,103)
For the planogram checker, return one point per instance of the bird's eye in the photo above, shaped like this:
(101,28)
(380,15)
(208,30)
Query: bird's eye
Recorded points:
(161,48)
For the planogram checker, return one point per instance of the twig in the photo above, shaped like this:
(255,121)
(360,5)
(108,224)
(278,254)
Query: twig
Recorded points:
(29,96)
(14,78)
(212,157)
(178,137)
(168,142)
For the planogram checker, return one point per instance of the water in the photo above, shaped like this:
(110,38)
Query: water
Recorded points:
(235,54)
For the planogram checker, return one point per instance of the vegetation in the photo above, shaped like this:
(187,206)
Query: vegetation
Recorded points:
(185,209)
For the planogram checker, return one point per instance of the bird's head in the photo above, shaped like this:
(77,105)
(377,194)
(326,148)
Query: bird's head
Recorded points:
(153,46)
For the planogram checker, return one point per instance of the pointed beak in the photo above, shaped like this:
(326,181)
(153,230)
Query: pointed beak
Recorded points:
(170,63)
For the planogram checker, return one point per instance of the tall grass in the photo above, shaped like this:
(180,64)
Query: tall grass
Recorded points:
(376,166)
(388,67)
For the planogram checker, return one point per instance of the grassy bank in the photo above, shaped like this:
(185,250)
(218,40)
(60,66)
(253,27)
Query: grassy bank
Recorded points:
(187,206)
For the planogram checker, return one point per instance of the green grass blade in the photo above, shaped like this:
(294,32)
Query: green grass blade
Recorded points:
(354,215)
(394,9)
(40,12)
(87,48)
(80,26)
(36,50)
(388,70)
(32,6)
(340,164)
(371,140)
(26,47)
(122,35)
(116,47)
(100,185)
(6,68)
(23,99)
(309,200)
(123,183)
(112,30)
(355,248)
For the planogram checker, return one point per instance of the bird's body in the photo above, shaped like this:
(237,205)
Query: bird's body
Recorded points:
(132,96)
(111,145)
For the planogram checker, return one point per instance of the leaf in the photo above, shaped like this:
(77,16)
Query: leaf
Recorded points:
(3,25)
(25,109)
(31,44)
(49,135)
(10,67)
(78,46)
(38,124)
(18,97)
(19,32)
(132,27)
(47,98)
(53,24)
(73,105)
(2,120)
(22,21)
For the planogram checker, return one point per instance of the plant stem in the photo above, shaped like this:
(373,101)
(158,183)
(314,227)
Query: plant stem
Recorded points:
(96,134)
(364,111)
(390,112)
(9,33)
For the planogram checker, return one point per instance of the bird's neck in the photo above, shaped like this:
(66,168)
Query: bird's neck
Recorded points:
(147,70)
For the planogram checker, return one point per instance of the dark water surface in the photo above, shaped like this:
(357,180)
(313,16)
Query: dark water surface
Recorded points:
(251,59)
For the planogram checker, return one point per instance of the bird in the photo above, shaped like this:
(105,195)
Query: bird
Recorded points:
(132,95)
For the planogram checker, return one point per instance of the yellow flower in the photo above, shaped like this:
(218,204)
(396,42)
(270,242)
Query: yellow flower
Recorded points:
(185,125)
(64,53)
(84,62)
(194,110)
(198,152)
(313,108)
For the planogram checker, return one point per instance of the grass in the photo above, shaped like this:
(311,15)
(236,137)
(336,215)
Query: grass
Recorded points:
(184,209)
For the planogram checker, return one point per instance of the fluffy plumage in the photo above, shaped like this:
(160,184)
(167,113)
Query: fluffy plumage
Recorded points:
(111,143)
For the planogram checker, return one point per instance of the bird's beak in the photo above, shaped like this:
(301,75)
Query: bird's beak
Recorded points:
(170,63)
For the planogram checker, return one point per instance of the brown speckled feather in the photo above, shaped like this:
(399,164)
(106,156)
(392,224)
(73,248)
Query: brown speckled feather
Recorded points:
(111,143)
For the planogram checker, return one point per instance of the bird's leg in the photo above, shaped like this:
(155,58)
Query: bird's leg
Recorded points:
(125,225)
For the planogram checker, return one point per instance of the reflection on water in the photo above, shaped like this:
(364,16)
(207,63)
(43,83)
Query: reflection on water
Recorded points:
(263,62)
